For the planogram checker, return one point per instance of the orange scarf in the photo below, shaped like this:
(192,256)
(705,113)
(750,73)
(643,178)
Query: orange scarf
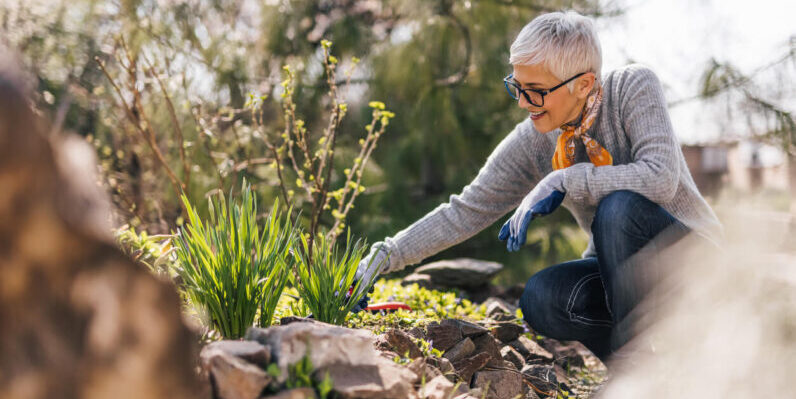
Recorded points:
(564,156)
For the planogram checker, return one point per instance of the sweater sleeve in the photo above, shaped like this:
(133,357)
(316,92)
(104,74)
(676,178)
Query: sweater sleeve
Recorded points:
(501,184)
(654,170)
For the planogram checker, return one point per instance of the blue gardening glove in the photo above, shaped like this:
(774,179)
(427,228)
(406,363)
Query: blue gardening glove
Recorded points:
(363,303)
(542,200)
(377,261)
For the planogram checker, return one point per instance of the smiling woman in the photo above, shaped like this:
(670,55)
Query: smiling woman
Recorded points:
(601,145)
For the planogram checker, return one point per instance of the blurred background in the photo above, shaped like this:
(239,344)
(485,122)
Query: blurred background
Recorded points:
(193,66)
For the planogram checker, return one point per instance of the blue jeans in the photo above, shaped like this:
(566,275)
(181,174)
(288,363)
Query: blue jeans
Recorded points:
(590,300)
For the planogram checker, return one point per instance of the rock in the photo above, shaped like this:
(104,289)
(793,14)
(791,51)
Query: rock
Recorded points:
(510,354)
(488,344)
(250,351)
(467,328)
(542,377)
(423,370)
(463,349)
(443,336)
(296,319)
(417,332)
(512,294)
(232,377)
(438,388)
(507,331)
(530,394)
(422,281)
(387,380)
(78,317)
(499,309)
(460,273)
(562,377)
(295,393)
(475,393)
(400,342)
(467,366)
(442,364)
(499,384)
(530,350)
(389,355)
(348,355)
(568,354)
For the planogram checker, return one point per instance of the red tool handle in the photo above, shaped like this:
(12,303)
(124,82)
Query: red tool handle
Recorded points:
(388,306)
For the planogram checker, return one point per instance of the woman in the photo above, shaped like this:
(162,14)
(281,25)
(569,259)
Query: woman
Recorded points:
(603,145)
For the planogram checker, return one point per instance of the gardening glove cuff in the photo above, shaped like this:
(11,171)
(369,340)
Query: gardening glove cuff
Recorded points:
(375,263)
(545,197)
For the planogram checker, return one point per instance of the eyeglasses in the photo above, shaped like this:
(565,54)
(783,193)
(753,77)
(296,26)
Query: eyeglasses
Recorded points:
(535,97)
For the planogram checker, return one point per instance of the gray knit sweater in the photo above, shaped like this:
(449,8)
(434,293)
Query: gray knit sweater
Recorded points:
(633,125)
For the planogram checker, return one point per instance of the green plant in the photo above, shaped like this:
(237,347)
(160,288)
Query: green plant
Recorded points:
(427,305)
(300,376)
(324,274)
(153,251)
(229,267)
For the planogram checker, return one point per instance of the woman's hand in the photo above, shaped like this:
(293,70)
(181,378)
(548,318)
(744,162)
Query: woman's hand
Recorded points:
(542,200)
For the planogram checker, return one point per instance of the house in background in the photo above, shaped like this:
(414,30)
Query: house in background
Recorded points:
(746,166)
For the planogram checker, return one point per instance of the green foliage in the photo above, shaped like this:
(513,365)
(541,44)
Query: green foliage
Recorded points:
(325,276)
(438,64)
(427,305)
(300,375)
(151,251)
(229,267)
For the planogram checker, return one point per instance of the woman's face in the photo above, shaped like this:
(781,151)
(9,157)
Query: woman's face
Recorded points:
(560,106)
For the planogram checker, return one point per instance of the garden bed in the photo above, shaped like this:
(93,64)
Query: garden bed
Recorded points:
(445,347)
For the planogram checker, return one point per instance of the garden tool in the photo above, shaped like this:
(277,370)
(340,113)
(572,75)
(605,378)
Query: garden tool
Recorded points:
(387,307)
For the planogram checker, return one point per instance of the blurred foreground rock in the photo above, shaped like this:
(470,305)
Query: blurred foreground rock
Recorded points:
(77,318)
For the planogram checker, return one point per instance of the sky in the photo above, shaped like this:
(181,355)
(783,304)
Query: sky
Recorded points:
(677,38)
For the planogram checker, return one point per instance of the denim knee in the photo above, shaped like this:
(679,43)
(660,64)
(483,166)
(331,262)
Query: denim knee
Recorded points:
(614,213)
(537,304)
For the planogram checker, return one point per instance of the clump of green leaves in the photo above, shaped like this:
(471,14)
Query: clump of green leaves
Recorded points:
(300,375)
(152,251)
(230,267)
(325,272)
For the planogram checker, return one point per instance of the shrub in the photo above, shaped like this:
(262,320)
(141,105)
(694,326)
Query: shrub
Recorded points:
(231,268)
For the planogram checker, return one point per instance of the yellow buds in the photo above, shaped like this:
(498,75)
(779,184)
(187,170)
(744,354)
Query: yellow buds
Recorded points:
(376,105)
(326,44)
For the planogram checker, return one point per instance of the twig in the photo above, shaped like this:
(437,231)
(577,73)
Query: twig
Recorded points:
(175,122)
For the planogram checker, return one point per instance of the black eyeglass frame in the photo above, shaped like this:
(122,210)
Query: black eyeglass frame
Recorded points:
(508,81)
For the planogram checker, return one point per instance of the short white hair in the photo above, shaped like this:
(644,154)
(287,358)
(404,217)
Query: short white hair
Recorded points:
(566,43)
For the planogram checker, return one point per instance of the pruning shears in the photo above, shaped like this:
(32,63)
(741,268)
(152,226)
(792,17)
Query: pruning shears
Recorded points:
(387,307)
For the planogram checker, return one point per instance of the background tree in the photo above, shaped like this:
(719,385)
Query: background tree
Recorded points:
(186,69)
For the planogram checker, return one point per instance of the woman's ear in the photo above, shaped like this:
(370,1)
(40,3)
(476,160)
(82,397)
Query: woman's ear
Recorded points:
(584,85)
